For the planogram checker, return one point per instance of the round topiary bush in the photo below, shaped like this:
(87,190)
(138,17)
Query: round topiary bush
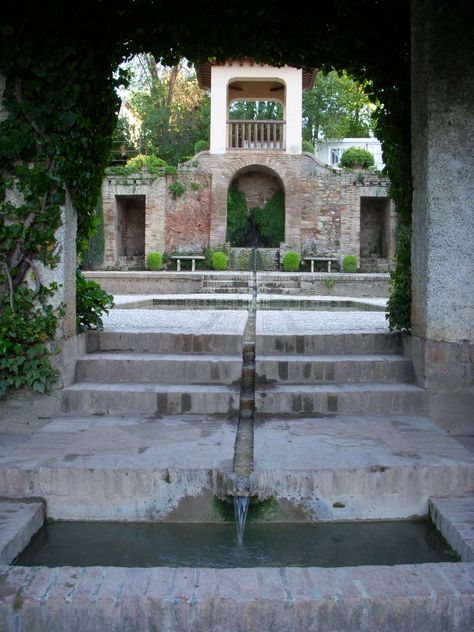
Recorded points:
(291,262)
(307,146)
(154,261)
(219,261)
(357,157)
(201,145)
(349,263)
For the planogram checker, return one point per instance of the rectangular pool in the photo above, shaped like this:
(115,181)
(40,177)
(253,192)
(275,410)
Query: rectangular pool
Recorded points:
(215,545)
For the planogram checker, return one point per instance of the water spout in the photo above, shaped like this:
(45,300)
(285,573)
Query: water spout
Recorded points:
(241,506)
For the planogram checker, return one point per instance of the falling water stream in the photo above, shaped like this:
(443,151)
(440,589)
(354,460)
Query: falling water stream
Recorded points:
(243,455)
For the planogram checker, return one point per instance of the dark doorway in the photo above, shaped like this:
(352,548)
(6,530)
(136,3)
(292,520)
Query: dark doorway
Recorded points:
(130,225)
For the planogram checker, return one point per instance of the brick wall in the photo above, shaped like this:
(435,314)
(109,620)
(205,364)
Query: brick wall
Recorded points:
(322,206)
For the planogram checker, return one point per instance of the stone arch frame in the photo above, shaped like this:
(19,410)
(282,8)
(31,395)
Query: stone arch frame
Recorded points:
(225,167)
(259,169)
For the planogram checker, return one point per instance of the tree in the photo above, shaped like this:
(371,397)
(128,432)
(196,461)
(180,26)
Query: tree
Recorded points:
(337,107)
(173,110)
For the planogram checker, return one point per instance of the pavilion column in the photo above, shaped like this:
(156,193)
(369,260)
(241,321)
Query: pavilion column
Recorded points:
(443,209)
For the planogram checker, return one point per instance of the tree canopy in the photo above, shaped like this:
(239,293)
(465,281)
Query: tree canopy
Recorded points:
(336,107)
(171,110)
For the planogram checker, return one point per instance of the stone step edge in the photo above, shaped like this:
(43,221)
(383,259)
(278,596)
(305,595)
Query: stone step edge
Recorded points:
(150,387)
(22,522)
(342,357)
(145,356)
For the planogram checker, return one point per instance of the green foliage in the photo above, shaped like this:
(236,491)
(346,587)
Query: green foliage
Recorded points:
(269,221)
(154,261)
(219,260)
(329,283)
(195,186)
(237,217)
(173,111)
(91,303)
(150,164)
(354,156)
(256,110)
(308,146)
(349,263)
(177,189)
(201,145)
(399,302)
(93,256)
(336,107)
(291,262)
(25,330)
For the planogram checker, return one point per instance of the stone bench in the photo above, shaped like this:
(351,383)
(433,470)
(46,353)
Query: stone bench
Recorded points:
(328,260)
(193,258)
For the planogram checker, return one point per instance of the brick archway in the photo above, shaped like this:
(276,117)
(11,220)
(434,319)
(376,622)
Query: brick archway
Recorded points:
(224,168)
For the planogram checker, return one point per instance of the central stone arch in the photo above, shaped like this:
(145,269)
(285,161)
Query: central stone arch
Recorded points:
(225,168)
(257,185)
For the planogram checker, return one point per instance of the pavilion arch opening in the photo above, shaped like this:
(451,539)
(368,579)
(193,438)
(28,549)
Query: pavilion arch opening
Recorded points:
(256,209)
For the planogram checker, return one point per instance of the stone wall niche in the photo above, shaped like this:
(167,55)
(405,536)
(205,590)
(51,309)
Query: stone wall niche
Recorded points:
(131,228)
(374,233)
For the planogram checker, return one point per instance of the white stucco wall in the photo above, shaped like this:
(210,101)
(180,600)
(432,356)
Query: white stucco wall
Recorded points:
(221,76)
(323,150)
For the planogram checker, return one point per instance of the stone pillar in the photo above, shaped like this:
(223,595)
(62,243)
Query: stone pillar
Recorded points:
(443,209)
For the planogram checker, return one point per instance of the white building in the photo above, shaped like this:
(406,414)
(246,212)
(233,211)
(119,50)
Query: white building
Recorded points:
(330,151)
(246,80)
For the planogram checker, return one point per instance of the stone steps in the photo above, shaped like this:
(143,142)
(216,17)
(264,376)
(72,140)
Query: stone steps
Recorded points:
(224,289)
(323,399)
(328,344)
(313,369)
(292,290)
(151,341)
(100,398)
(162,368)
(157,373)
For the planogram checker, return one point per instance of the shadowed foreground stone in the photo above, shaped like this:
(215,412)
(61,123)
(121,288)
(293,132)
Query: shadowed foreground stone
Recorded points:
(434,597)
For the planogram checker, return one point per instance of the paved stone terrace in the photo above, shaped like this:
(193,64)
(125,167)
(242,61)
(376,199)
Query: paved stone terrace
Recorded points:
(122,468)
(358,466)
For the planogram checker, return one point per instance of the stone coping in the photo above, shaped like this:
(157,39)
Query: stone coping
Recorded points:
(425,597)
(148,274)
(19,521)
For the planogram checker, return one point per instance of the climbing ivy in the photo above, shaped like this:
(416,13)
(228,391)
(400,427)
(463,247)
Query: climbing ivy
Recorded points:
(54,143)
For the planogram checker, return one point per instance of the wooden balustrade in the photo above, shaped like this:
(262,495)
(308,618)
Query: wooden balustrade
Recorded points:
(244,134)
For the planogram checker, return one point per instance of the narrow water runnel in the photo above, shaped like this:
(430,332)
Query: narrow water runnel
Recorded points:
(243,453)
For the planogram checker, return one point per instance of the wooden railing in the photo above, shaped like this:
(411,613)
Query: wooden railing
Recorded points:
(243,134)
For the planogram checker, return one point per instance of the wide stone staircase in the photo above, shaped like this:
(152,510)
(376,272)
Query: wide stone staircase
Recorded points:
(157,373)
(335,373)
(237,283)
(284,283)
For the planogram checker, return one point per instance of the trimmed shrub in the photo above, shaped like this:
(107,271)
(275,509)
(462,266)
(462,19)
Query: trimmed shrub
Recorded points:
(219,261)
(154,261)
(291,262)
(307,146)
(349,263)
(356,156)
(201,145)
